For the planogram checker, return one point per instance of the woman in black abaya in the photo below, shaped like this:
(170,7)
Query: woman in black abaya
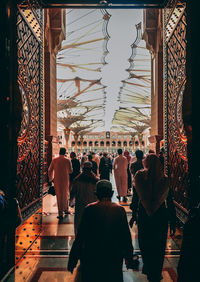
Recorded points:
(153,207)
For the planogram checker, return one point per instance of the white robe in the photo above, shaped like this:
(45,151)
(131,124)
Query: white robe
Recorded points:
(120,166)
(59,170)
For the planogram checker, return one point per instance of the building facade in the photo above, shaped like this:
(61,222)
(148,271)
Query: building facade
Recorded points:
(105,141)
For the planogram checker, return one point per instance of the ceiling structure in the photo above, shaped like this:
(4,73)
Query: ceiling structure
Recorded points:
(135,94)
(81,95)
(104,3)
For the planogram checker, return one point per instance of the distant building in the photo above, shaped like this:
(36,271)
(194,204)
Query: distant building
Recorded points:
(104,142)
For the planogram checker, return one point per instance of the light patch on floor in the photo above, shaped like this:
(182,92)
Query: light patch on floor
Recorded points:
(58,230)
(56,276)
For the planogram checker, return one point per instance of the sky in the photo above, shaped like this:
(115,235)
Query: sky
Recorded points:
(122,31)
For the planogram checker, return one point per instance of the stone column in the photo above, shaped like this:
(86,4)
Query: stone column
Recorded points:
(67,133)
(76,140)
(140,137)
(155,142)
(133,143)
(54,34)
(93,146)
(81,140)
(153,35)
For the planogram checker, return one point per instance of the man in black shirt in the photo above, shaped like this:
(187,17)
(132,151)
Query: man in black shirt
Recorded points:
(105,167)
(94,164)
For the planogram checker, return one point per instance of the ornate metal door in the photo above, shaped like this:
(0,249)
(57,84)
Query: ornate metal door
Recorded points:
(175,79)
(30,138)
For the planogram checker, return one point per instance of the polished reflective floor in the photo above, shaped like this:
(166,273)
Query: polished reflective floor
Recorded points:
(43,244)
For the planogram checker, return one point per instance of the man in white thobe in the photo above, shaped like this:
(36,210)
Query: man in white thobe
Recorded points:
(59,170)
(120,166)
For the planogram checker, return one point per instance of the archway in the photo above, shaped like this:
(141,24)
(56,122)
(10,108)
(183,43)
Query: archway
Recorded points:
(179,154)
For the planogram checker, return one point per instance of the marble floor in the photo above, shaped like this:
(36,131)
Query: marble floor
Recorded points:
(46,258)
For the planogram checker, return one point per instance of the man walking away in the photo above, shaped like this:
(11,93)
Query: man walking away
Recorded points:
(83,159)
(136,165)
(76,168)
(59,170)
(103,239)
(120,166)
(94,164)
(83,191)
(105,167)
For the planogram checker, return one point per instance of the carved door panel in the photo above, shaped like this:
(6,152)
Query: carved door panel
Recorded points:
(30,138)
(175,74)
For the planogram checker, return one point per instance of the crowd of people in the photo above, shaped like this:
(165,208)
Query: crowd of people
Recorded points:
(102,232)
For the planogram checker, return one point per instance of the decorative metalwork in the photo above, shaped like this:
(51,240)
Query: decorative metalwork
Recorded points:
(32,18)
(30,138)
(29,4)
(170,7)
(173,20)
(175,137)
